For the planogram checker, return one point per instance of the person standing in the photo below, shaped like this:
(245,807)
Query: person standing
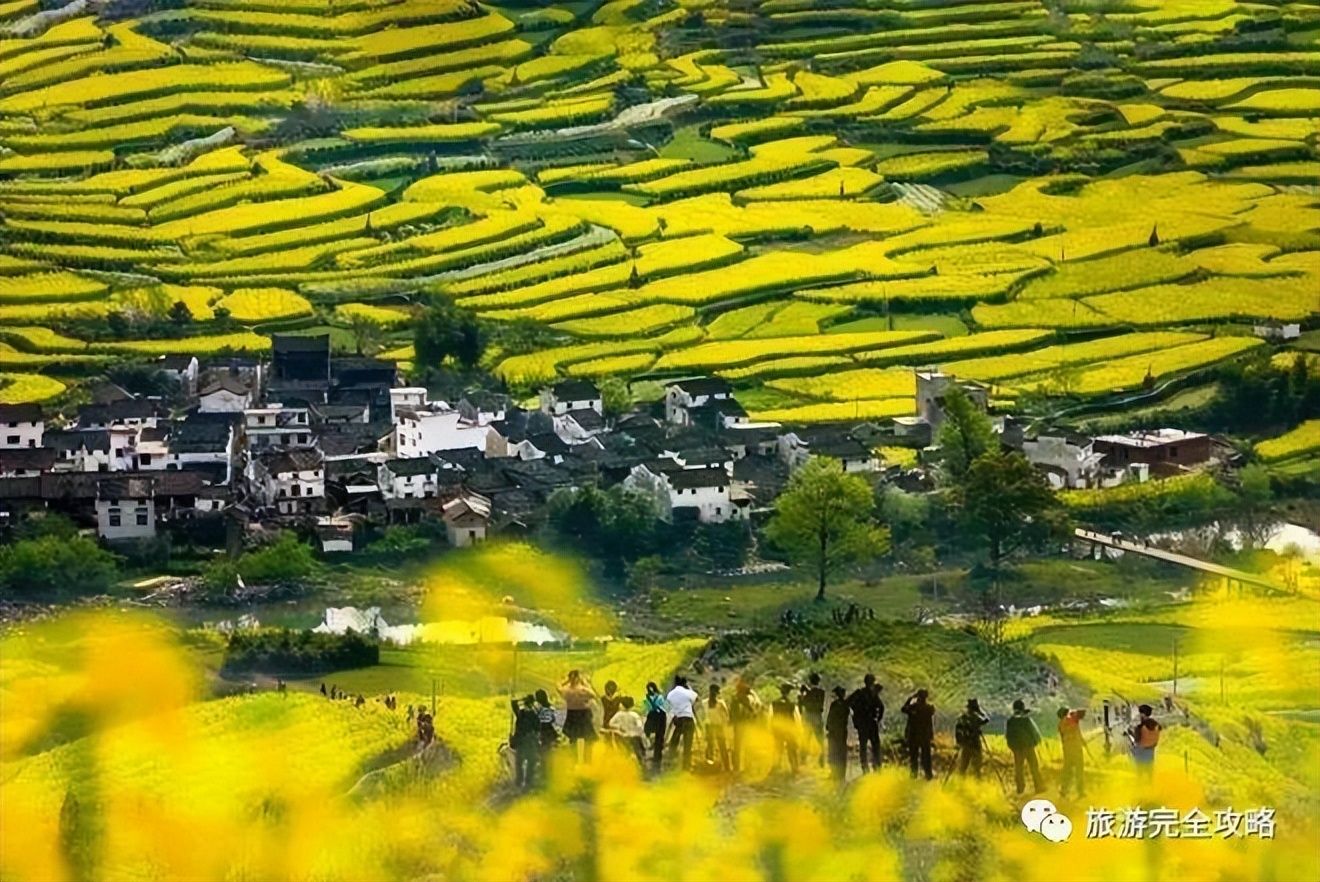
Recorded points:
(609,706)
(919,731)
(683,718)
(867,712)
(967,733)
(811,704)
(525,742)
(1022,736)
(627,726)
(836,734)
(1070,736)
(655,708)
(717,727)
(549,734)
(745,712)
(786,726)
(1145,737)
(578,725)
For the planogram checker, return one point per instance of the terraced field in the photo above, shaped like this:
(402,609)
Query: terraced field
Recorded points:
(707,186)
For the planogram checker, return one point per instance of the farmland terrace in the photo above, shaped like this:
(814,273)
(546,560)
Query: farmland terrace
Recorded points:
(806,198)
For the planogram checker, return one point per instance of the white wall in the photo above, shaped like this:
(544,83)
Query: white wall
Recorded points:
(128,512)
(224,401)
(427,432)
(21,434)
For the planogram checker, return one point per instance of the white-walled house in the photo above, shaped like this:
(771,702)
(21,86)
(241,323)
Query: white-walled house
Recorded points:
(225,394)
(203,439)
(408,478)
(406,398)
(567,395)
(21,425)
(293,481)
(80,451)
(685,395)
(707,490)
(152,450)
(277,426)
(423,432)
(467,519)
(183,369)
(1068,461)
(126,508)
(799,445)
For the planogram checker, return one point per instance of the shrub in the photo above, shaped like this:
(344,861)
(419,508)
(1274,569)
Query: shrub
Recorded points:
(287,651)
(54,564)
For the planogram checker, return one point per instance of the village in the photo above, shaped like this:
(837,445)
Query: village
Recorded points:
(329,444)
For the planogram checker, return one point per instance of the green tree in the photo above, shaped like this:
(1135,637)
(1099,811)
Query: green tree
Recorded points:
(823,520)
(964,435)
(180,314)
(366,334)
(615,397)
(1007,504)
(445,331)
(55,564)
(1255,495)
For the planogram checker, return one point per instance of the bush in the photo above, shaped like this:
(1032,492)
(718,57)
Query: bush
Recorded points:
(281,651)
(287,560)
(55,565)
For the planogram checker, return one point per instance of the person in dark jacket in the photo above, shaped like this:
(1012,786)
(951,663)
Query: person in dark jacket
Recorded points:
(655,714)
(526,742)
(1022,736)
(967,732)
(919,733)
(811,705)
(867,712)
(836,734)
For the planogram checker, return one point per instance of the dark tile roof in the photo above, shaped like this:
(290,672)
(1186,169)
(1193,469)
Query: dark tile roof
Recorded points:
(575,390)
(225,382)
(196,434)
(154,433)
(94,439)
(22,459)
(130,409)
(408,467)
(284,461)
(548,443)
(285,343)
(179,483)
(71,486)
(175,362)
(587,418)
(705,456)
(704,386)
(20,413)
(210,472)
(689,479)
(467,458)
(20,488)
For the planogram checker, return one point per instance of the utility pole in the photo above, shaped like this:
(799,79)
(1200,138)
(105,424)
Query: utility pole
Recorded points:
(1175,667)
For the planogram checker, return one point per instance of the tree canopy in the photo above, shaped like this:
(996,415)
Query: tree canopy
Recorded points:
(823,520)
(1007,504)
(964,435)
(446,331)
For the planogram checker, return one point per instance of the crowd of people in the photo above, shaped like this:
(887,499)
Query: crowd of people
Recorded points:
(801,726)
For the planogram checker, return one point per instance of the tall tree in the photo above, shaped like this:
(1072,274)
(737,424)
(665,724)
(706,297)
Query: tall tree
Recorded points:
(1254,518)
(446,331)
(1007,504)
(615,397)
(964,435)
(823,520)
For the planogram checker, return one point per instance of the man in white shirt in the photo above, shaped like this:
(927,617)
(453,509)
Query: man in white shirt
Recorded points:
(682,717)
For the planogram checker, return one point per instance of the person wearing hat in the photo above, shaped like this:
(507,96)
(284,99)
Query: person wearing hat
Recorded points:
(1022,736)
(836,734)
(919,731)
(967,733)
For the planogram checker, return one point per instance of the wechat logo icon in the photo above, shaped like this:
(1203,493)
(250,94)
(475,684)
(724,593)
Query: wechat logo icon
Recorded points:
(1040,816)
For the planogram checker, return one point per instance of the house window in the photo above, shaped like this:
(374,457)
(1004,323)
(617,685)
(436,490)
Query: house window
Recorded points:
(145,459)
(297,490)
(141,518)
(718,510)
(472,534)
(283,492)
(12,439)
(114,517)
(1173,452)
